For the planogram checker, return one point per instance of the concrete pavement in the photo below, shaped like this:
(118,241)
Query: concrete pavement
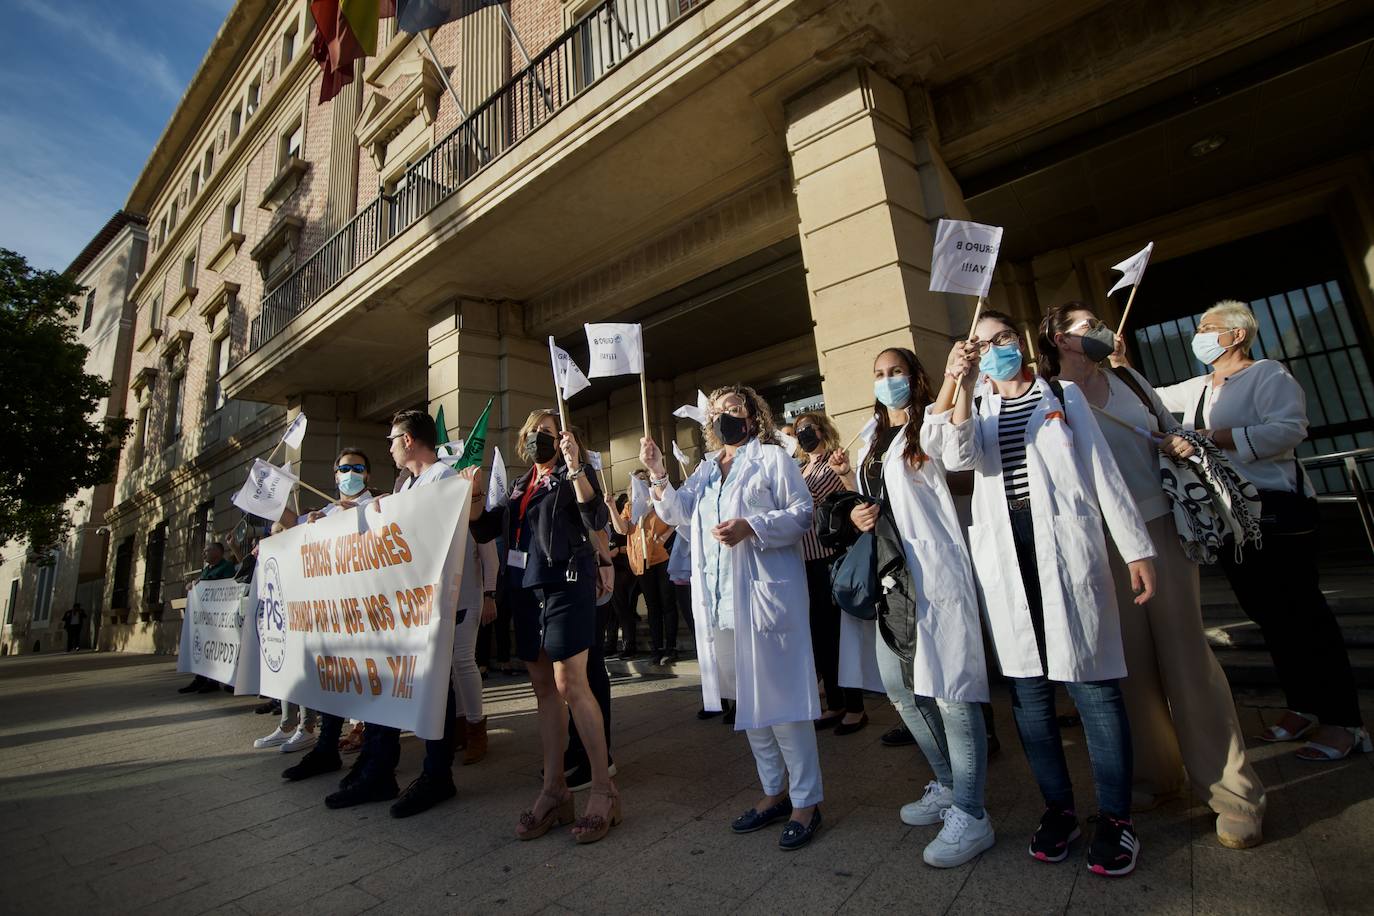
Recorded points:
(119,795)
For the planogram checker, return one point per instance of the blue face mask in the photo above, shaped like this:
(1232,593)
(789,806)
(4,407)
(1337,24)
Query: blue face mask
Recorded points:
(894,391)
(351,483)
(1207,347)
(1001,363)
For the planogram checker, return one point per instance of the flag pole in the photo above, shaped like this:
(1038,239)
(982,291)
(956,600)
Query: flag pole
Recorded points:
(1129,300)
(315,491)
(644,396)
(977,311)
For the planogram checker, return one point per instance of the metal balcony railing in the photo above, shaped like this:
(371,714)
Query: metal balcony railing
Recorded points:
(1354,470)
(579,57)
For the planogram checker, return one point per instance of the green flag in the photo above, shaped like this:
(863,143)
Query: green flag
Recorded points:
(442,437)
(476,441)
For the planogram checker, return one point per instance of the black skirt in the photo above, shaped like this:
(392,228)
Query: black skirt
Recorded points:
(558,618)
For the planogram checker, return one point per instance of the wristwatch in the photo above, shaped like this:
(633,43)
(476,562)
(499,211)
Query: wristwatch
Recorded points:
(573,475)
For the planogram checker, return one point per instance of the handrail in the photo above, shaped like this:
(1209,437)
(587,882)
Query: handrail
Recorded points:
(594,45)
(1359,492)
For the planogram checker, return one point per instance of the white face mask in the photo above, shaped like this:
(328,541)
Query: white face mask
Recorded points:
(1207,346)
(351,483)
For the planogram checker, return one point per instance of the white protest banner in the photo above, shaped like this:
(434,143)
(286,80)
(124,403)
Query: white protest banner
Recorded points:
(1132,272)
(639,499)
(356,611)
(682,460)
(498,488)
(964,257)
(210,630)
(695,413)
(616,349)
(247,677)
(266,490)
(566,373)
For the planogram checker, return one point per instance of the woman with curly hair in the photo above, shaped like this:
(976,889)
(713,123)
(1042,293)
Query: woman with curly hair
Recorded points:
(748,508)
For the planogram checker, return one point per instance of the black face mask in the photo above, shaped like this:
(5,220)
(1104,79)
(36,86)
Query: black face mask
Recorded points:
(1098,344)
(808,439)
(730,429)
(541,446)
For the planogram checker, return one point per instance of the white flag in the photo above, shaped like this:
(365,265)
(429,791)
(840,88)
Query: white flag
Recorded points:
(964,257)
(683,461)
(617,349)
(566,374)
(295,433)
(265,492)
(1133,268)
(594,459)
(450,451)
(639,499)
(789,443)
(498,488)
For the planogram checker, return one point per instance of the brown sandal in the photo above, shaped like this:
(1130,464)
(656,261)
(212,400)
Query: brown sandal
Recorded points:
(531,827)
(594,826)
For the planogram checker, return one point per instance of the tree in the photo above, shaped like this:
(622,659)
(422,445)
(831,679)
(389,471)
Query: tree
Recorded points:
(52,445)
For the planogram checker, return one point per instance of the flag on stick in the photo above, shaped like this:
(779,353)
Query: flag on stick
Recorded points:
(266,490)
(476,442)
(498,488)
(1132,269)
(964,257)
(417,15)
(440,427)
(682,460)
(566,373)
(616,349)
(594,459)
(639,499)
(696,413)
(345,31)
(295,433)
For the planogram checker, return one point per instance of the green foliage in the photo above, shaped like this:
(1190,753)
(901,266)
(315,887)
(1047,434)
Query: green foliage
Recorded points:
(51,443)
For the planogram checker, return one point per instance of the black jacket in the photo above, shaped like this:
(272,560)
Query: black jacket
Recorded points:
(560,526)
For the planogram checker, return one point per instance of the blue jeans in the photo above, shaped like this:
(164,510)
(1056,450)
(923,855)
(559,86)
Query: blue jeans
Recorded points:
(952,735)
(1105,728)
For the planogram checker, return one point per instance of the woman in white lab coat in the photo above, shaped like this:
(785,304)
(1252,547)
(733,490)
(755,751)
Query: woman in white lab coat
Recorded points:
(748,507)
(1045,485)
(938,687)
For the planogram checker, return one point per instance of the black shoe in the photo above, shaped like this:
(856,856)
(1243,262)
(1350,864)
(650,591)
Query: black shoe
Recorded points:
(208,687)
(703,713)
(192,687)
(364,791)
(316,762)
(422,794)
(897,737)
(753,819)
(355,772)
(580,778)
(1114,847)
(1058,828)
(668,659)
(849,728)
(795,836)
(729,718)
(825,722)
(228,688)
(271,707)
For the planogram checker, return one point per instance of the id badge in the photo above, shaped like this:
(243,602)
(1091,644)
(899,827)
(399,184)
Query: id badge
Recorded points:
(515,558)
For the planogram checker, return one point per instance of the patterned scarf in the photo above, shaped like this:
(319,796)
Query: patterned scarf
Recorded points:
(1210,501)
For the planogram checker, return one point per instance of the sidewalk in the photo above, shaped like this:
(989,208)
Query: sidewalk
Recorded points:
(119,795)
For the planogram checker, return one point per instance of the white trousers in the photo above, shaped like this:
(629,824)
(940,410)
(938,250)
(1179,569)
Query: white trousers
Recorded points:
(467,680)
(788,750)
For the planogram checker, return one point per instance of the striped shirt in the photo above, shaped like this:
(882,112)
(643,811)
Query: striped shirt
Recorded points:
(1012,419)
(821,480)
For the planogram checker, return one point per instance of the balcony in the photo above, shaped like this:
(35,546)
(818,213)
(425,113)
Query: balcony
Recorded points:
(593,47)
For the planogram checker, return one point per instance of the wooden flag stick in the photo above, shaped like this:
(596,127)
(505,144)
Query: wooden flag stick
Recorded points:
(562,406)
(977,311)
(1121,328)
(644,396)
(855,439)
(272,457)
(316,492)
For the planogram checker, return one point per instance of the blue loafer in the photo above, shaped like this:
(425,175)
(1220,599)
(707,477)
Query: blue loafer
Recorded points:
(795,836)
(752,820)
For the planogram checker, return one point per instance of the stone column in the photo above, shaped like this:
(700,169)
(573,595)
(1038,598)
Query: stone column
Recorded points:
(868,196)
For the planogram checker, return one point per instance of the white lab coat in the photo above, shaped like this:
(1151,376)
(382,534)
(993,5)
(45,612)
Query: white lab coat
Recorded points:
(948,662)
(765,663)
(1075,487)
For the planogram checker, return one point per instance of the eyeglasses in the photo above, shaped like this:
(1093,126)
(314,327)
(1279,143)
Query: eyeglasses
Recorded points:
(735,410)
(345,468)
(1085,324)
(1212,329)
(1002,339)
(394,436)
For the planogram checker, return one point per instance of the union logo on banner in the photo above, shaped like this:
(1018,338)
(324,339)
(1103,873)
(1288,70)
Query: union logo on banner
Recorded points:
(271,617)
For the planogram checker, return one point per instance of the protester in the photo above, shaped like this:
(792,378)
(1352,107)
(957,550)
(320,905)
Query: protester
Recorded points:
(217,567)
(749,508)
(476,606)
(1177,697)
(626,594)
(926,642)
(646,547)
(577,767)
(1256,413)
(1046,484)
(818,441)
(551,582)
(74,621)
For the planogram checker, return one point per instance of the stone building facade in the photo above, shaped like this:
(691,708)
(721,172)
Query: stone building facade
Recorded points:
(756,181)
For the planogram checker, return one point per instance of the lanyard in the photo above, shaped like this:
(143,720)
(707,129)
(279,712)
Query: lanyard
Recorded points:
(536,478)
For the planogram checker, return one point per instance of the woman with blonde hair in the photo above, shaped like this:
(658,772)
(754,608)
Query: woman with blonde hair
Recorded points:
(818,440)
(748,509)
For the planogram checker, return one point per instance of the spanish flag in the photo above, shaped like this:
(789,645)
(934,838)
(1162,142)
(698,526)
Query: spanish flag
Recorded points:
(345,30)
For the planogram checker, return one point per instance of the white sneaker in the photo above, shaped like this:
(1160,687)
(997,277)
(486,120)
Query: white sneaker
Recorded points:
(278,737)
(927,811)
(961,838)
(303,739)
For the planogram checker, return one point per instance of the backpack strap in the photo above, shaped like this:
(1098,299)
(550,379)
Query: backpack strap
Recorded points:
(1132,382)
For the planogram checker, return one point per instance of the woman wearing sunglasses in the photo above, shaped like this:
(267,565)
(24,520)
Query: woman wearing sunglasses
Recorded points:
(1045,486)
(748,509)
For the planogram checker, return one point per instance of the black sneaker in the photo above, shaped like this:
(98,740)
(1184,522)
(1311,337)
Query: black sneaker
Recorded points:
(362,792)
(1114,847)
(1058,828)
(193,686)
(897,737)
(316,762)
(422,794)
(703,713)
(581,777)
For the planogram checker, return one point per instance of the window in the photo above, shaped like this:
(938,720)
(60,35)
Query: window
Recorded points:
(209,163)
(233,215)
(141,436)
(218,368)
(290,43)
(176,394)
(235,122)
(42,597)
(290,143)
(162,231)
(173,223)
(90,311)
(152,566)
(123,573)
(202,524)
(254,97)
(14,599)
(195,183)
(155,313)
(188,271)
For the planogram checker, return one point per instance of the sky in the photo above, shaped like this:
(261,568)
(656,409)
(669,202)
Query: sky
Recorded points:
(89,86)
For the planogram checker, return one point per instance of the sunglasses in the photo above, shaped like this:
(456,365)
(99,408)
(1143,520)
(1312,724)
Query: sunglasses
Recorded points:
(345,468)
